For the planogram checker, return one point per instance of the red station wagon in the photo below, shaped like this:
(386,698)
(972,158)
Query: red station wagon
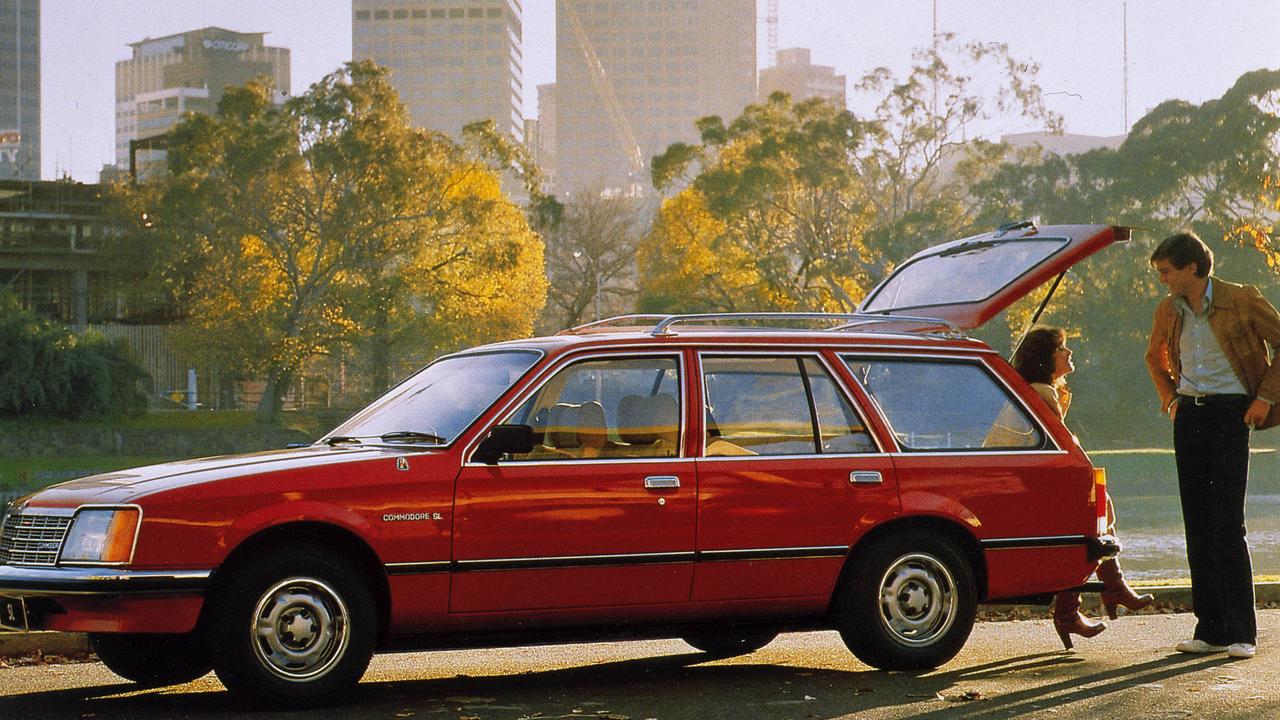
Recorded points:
(716,478)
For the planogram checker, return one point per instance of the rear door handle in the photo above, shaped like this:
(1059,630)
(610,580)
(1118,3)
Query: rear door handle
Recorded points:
(661,482)
(865,477)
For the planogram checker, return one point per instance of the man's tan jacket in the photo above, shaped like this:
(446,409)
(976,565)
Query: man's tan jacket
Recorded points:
(1248,330)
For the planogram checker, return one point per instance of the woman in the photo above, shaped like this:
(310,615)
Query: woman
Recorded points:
(1044,360)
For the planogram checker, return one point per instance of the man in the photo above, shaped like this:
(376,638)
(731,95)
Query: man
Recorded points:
(1209,359)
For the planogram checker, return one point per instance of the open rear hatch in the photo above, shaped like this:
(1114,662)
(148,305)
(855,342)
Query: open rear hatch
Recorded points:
(967,282)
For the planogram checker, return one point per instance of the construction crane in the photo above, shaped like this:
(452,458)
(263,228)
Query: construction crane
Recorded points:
(604,88)
(771,31)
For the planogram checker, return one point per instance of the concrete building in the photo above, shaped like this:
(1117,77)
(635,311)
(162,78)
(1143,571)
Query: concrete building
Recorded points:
(795,75)
(543,144)
(20,89)
(188,72)
(452,61)
(1065,144)
(632,77)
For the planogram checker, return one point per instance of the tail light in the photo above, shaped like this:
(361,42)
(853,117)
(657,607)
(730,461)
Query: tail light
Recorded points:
(1098,498)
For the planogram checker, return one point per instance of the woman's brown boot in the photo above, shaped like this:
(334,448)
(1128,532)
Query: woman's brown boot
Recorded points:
(1068,621)
(1116,591)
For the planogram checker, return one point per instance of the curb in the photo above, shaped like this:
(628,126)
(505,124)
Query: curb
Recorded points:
(62,643)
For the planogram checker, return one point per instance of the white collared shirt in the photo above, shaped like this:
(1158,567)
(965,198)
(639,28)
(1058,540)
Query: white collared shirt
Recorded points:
(1205,368)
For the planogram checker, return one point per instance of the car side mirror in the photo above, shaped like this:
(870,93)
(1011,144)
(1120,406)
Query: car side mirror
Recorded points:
(503,439)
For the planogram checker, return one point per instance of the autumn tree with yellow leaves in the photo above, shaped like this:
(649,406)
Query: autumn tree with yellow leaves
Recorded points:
(330,226)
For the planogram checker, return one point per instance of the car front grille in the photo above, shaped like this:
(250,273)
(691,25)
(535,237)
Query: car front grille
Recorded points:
(29,539)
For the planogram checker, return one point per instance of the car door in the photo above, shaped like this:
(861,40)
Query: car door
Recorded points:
(789,475)
(600,513)
(966,282)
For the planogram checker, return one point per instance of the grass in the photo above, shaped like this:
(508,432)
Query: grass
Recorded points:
(30,473)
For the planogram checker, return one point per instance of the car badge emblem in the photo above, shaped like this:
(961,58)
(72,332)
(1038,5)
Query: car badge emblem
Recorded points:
(402,463)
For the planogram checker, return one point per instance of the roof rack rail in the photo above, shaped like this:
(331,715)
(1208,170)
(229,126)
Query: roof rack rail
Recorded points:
(851,320)
(623,320)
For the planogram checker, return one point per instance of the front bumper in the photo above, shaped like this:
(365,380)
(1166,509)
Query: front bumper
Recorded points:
(100,599)
(23,581)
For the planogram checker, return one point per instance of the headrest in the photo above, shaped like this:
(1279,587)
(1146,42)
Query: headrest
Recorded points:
(574,426)
(643,420)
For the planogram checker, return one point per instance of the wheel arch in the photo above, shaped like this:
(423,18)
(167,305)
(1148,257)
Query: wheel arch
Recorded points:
(944,528)
(313,534)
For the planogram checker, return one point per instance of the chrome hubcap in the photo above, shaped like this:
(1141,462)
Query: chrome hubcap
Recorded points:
(917,599)
(300,629)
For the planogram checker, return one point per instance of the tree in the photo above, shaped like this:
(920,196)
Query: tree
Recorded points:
(330,226)
(591,258)
(776,191)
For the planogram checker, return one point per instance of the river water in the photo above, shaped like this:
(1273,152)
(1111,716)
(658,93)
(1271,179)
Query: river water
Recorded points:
(1144,487)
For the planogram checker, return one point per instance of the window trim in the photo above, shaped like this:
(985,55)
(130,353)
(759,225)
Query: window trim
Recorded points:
(1049,445)
(555,368)
(796,353)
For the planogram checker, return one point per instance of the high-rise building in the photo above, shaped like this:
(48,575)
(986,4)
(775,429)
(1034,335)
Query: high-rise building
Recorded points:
(795,75)
(188,72)
(452,61)
(20,89)
(543,145)
(633,77)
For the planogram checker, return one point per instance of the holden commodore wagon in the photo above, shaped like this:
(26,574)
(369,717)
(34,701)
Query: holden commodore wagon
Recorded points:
(715,478)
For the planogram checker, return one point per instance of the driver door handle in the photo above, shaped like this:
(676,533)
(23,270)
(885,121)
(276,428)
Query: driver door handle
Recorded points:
(661,482)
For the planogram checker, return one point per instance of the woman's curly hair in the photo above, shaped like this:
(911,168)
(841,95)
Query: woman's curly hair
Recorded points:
(1034,357)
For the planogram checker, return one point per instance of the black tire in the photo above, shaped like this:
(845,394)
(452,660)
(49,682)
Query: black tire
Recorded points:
(153,660)
(731,640)
(292,628)
(908,603)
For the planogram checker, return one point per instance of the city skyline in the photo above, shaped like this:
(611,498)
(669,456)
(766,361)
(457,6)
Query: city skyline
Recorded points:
(1176,49)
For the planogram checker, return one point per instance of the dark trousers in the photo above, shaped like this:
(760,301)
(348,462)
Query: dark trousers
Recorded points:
(1211,442)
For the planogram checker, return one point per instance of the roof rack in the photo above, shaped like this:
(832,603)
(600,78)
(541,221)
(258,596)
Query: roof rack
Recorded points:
(662,324)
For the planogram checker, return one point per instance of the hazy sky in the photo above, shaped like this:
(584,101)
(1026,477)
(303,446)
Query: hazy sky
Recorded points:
(1189,49)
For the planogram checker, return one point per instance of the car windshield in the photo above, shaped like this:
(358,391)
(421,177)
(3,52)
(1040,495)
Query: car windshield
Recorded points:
(966,273)
(440,401)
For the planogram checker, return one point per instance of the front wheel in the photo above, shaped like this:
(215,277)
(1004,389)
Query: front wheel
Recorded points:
(908,604)
(293,628)
(153,660)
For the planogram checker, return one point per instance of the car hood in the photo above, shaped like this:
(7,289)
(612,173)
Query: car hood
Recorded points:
(124,486)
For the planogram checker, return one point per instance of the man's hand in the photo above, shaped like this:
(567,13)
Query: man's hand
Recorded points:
(1256,414)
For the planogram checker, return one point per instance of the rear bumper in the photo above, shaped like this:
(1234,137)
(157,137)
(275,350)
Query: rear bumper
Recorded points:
(1101,547)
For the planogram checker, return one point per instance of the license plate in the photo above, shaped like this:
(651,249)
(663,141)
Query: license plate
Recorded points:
(13,614)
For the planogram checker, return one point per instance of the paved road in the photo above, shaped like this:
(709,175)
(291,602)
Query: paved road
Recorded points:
(1014,668)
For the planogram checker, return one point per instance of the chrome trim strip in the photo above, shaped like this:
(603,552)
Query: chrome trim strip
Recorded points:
(658,558)
(417,568)
(563,561)
(1020,543)
(38,581)
(792,553)
(810,456)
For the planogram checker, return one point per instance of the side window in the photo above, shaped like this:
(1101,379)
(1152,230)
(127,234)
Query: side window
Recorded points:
(946,405)
(604,409)
(840,428)
(763,406)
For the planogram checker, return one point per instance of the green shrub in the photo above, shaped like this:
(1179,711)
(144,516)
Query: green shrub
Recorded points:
(45,369)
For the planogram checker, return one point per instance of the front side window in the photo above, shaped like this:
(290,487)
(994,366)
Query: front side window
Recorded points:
(946,405)
(441,400)
(777,406)
(605,409)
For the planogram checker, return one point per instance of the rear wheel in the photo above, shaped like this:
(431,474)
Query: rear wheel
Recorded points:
(293,628)
(731,640)
(910,603)
(153,659)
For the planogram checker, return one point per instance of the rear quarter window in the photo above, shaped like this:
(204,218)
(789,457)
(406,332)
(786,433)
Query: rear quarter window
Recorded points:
(946,405)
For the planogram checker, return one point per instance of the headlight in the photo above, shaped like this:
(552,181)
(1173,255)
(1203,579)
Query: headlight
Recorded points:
(102,535)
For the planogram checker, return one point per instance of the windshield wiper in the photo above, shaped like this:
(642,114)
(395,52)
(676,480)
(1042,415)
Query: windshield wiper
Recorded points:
(413,436)
(331,441)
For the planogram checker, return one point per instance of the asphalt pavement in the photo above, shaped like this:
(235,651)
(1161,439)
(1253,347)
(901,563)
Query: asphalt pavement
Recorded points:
(1008,669)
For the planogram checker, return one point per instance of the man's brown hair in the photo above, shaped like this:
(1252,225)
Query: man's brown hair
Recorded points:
(1182,249)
